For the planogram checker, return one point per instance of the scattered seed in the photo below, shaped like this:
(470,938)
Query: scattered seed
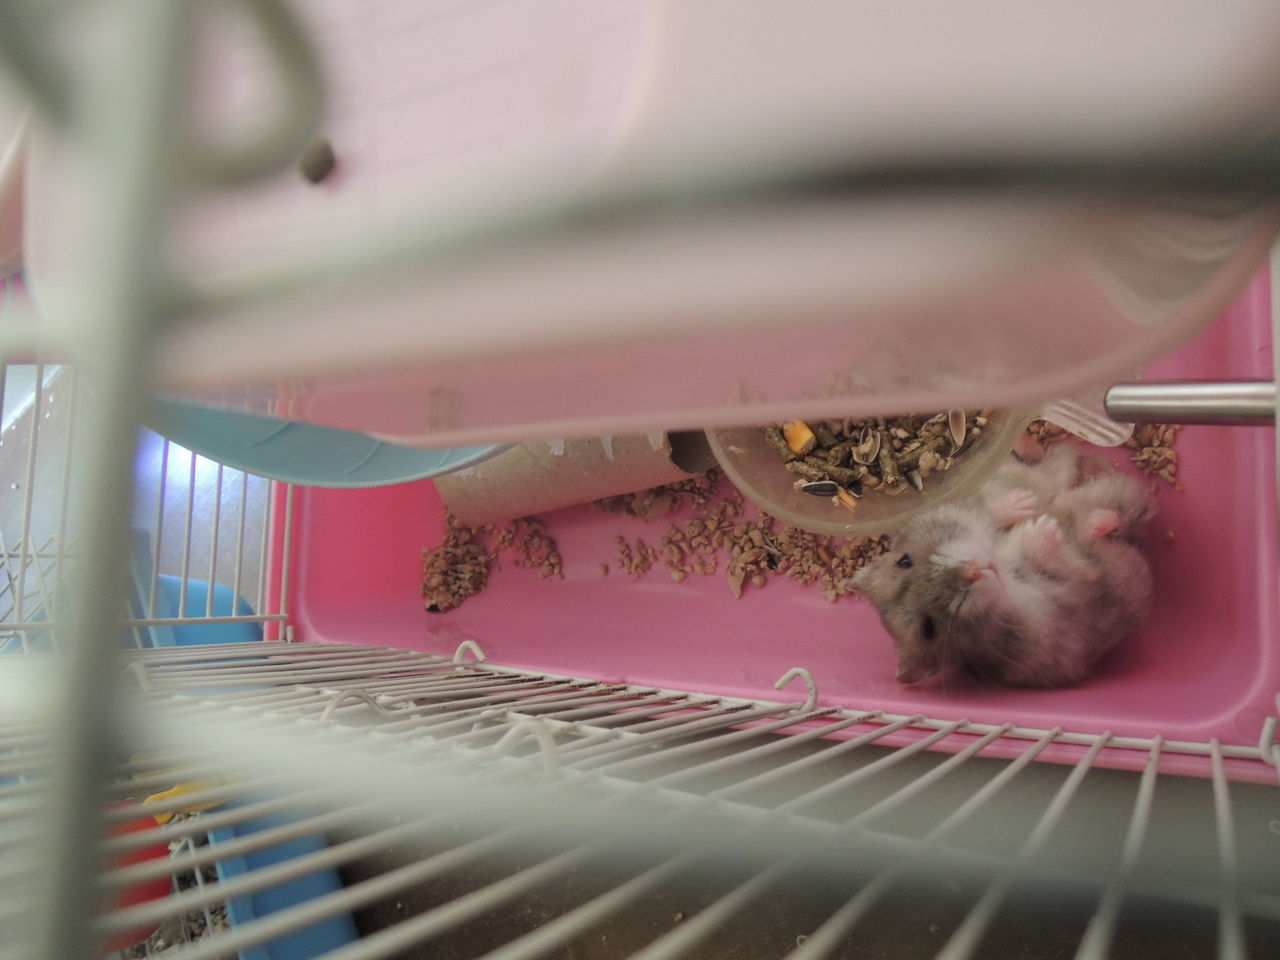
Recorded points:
(868,449)
(956,427)
(884,454)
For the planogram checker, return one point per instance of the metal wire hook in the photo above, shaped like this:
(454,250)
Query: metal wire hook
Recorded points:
(28,53)
(546,743)
(141,675)
(471,645)
(1268,749)
(301,102)
(359,696)
(810,684)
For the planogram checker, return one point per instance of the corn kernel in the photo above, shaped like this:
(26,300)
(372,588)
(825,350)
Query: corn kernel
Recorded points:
(800,439)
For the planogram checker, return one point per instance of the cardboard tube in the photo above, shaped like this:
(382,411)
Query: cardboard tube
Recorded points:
(549,474)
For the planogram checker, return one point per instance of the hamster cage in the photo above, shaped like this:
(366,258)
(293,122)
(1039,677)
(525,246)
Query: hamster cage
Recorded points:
(227,724)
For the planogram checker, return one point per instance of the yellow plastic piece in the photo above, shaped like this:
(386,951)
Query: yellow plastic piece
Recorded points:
(191,786)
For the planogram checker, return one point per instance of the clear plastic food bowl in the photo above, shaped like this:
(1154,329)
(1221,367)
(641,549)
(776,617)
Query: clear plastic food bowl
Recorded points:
(755,469)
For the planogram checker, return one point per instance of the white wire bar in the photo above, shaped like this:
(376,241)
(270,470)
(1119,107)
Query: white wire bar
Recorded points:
(420,708)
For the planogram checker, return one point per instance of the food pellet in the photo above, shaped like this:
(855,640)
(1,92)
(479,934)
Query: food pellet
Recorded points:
(1155,454)
(459,568)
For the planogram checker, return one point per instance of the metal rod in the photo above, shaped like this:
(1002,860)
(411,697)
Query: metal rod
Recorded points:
(257,840)
(614,765)
(1096,942)
(565,927)
(922,782)
(213,548)
(1275,409)
(240,518)
(263,544)
(70,376)
(216,820)
(464,908)
(158,533)
(186,538)
(862,773)
(1230,928)
(142,622)
(266,877)
(130,111)
(787,770)
(965,939)
(1248,403)
(704,923)
(834,929)
(711,722)
(28,492)
(356,895)
(11,588)
(282,601)
(42,588)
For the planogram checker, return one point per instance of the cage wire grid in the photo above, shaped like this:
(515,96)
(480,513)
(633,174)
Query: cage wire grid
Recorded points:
(461,762)
(197,524)
(509,778)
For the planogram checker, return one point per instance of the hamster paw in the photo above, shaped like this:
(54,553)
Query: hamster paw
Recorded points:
(1013,507)
(1028,449)
(1099,524)
(1041,540)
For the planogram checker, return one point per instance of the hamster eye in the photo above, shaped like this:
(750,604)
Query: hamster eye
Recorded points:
(904,561)
(929,629)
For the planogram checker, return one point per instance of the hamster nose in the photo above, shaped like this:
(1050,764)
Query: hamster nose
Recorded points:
(972,571)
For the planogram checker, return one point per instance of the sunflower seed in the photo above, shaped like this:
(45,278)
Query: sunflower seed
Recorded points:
(821,488)
(956,425)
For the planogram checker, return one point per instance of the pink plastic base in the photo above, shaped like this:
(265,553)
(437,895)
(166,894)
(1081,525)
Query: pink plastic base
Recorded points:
(1206,665)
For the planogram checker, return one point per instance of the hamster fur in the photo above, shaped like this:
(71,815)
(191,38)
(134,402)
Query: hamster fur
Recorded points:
(1028,583)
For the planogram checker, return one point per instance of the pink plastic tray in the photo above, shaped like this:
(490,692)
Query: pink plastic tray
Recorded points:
(1206,665)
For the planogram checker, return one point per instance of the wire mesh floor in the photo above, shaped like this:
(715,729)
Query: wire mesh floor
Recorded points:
(500,813)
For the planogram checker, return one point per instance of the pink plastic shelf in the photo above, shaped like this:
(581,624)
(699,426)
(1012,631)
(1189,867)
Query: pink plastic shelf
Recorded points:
(1206,665)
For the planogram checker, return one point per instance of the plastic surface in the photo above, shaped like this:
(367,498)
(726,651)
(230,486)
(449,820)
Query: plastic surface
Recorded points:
(157,888)
(299,453)
(513,315)
(193,634)
(310,941)
(755,469)
(1207,664)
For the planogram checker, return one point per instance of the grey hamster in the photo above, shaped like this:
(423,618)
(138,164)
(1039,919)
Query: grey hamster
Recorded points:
(1027,583)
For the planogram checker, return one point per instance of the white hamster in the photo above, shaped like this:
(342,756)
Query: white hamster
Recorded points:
(1027,583)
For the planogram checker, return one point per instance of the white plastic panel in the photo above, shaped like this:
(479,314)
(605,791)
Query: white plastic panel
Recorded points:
(610,229)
